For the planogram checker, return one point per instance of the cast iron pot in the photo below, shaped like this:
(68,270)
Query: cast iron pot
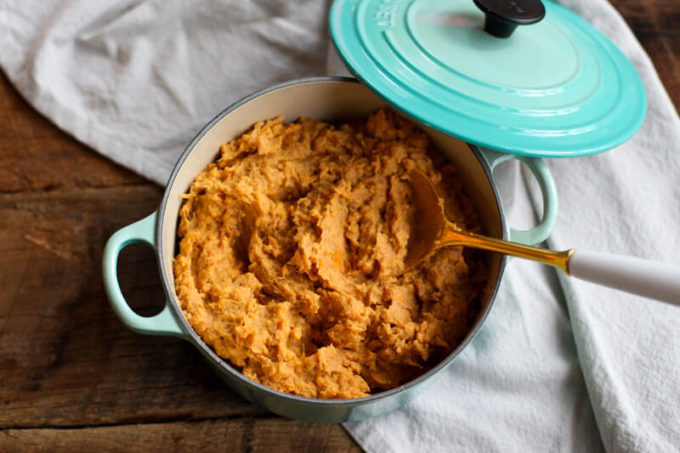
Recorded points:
(329,99)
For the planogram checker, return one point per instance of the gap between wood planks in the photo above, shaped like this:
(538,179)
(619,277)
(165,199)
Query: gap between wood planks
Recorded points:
(249,435)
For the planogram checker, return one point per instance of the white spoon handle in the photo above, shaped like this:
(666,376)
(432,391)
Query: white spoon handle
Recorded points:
(647,278)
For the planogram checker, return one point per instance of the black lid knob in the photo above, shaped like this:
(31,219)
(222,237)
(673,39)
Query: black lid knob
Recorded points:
(503,16)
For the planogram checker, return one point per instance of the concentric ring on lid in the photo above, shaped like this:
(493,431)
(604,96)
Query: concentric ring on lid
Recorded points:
(557,88)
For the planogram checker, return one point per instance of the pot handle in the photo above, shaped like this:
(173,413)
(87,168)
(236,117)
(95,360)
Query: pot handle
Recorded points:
(541,172)
(164,323)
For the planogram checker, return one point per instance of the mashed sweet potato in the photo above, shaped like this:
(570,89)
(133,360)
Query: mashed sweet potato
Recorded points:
(291,246)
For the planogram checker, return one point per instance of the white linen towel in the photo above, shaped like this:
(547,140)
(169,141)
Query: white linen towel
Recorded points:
(559,364)
(136,80)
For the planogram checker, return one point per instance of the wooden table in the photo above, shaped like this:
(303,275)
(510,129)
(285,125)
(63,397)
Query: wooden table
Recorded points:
(71,376)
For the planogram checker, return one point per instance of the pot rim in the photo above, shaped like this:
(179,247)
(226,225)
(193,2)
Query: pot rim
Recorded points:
(223,364)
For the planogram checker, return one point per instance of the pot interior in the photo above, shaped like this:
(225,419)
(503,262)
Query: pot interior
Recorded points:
(328,99)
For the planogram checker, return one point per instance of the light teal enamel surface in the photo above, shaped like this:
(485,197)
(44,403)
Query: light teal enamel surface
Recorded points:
(164,323)
(449,38)
(557,88)
(546,183)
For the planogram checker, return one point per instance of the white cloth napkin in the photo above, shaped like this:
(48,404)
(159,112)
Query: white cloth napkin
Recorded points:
(136,80)
(559,364)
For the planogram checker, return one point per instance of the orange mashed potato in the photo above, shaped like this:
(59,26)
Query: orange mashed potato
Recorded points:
(291,246)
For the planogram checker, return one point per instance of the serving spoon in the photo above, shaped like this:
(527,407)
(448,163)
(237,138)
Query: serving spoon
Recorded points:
(647,278)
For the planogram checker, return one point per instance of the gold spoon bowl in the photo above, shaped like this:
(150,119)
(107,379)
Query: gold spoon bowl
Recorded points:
(647,278)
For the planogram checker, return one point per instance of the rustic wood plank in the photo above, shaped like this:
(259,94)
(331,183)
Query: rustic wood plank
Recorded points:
(36,155)
(247,435)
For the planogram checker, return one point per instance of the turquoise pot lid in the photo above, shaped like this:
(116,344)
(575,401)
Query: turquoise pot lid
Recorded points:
(555,88)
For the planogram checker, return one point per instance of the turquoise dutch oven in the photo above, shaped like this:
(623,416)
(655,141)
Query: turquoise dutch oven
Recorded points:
(483,89)
(329,99)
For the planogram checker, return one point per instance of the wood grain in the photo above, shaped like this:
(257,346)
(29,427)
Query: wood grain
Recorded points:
(656,24)
(72,377)
(247,434)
